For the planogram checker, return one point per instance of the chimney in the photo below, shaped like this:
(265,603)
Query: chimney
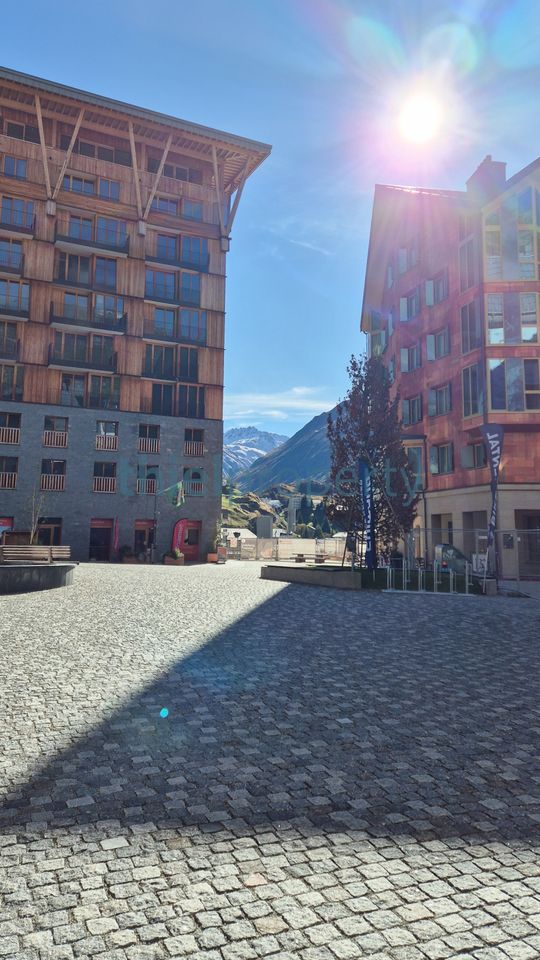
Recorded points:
(487,181)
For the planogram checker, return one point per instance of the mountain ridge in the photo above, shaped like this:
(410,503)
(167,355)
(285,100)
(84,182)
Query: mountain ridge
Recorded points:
(243,445)
(304,456)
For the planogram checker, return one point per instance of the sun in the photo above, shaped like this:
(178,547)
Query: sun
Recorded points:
(420,117)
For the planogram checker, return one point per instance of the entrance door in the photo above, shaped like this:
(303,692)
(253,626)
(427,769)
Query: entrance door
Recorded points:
(144,539)
(186,537)
(100,540)
(49,531)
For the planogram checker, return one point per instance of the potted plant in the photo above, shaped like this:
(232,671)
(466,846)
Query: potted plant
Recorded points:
(213,555)
(126,555)
(173,558)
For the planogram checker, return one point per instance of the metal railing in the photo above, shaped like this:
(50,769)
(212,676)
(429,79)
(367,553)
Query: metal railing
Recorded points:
(101,238)
(104,485)
(10,351)
(10,434)
(106,441)
(11,261)
(17,220)
(88,318)
(55,438)
(52,481)
(106,364)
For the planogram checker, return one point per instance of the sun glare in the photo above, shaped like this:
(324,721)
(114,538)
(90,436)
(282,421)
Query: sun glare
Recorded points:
(420,118)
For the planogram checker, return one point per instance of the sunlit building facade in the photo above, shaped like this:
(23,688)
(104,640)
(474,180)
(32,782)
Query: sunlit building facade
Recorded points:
(451,305)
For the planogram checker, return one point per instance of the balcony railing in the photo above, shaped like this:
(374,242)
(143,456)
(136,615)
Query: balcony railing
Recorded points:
(52,481)
(104,485)
(147,371)
(151,332)
(194,488)
(106,441)
(201,264)
(193,448)
(8,481)
(10,434)
(181,297)
(146,485)
(105,364)
(148,444)
(17,220)
(10,351)
(11,261)
(14,307)
(115,241)
(55,438)
(88,321)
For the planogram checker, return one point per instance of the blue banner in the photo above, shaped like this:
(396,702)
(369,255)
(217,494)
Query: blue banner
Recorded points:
(493,434)
(366,490)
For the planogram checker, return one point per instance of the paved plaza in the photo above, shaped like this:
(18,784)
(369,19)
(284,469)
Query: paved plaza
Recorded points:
(198,763)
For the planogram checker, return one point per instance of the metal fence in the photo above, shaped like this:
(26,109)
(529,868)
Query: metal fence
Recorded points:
(288,548)
(514,556)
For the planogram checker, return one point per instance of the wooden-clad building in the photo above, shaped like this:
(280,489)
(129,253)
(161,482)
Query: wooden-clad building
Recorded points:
(115,223)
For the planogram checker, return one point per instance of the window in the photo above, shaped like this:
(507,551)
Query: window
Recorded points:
(529,318)
(438,344)
(189,364)
(8,340)
(53,468)
(165,205)
(166,247)
(102,351)
(193,482)
(190,289)
(147,477)
(392,369)
(109,189)
(80,228)
(193,436)
(465,225)
(416,464)
(23,131)
(409,306)
(11,382)
(514,384)
(162,399)
(473,456)
(70,346)
(411,358)
(190,174)
(111,232)
(527,265)
(472,393)
(160,285)
(190,401)
(104,392)
(70,268)
(193,325)
(78,184)
(524,206)
(56,424)
(105,273)
(159,361)
(104,469)
(9,468)
(17,213)
(437,289)
(441,458)
(470,327)
(492,241)
(532,384)
(14,296)
(192,209)
(164,321)
(195,251)
(86,148)
(495,318)
(75,306)
(412,410)
(389,276)
(10,421)
(148,431)
(440,400)
(106,428)
(72,390)
(466,265)
(14,167)
(108,308)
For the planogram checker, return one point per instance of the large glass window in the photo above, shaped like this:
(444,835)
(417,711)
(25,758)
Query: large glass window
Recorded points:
(105,392)
(166,247)
(70,346)
(471,390)
(111,232)
(495,314)
(75,306)
(80,228)
(165,205)
(72,390)
(164,321)
(470,327)
(412,410)
(17,213)
(190,401)
(189,364)
(71,268)
(15,167)
(162,399)
(532,384)
(439,400)
(11,253)
(109,189)
(193,325)
(466,265)
(195,251)
(192,209)
(11,382)
(159,361)
(15,296)
(8,340)
(441,458)
(79,184)
(529,318)
(105,273)
(160,285)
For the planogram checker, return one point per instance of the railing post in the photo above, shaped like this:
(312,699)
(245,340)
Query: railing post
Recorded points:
(435,576)
(467,570)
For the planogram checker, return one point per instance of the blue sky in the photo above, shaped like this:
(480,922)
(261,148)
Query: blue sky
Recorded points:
(322,81)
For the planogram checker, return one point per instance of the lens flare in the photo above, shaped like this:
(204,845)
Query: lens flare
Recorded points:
(164,712)
(420,117)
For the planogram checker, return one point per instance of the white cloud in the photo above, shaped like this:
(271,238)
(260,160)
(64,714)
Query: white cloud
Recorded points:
(296,403)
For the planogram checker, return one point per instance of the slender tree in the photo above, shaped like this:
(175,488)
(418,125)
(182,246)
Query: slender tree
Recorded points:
(367,426)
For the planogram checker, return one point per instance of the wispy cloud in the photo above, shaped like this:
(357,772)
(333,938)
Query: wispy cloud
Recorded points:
(296,403)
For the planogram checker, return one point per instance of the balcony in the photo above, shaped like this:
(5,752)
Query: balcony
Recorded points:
(14,308)
(181,298)
(147,485)
(12,262)
(193,448)
(106,441)
(55,438)
(104,485)
(194,488)
(8,481)
(16,222)
(52,482)
(148,445)
(10,351)
(76,239)
(103,365)
(10,434)
(151,332)
(189,263)
(151,374)
(78,320)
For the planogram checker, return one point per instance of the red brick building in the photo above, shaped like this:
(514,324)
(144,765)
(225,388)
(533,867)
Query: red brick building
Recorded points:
(451,306)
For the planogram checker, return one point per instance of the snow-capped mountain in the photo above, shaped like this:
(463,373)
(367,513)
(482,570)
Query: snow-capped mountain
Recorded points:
(243,445)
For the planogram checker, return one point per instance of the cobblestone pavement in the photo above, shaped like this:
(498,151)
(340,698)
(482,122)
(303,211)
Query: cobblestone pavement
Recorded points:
(338,775)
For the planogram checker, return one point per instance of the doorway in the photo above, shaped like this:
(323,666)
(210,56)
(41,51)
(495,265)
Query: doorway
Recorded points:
(101,532)
(186,537)
(144,540)
(49,531)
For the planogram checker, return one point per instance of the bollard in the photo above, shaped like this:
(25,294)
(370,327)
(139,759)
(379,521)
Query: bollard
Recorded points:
(467,574)
(435,576)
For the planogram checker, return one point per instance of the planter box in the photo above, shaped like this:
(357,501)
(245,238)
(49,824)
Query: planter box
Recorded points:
(211,557)
(129,560)
(173,561)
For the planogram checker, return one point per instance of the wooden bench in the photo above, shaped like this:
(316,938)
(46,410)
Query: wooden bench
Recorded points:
(32,553)
(302,557)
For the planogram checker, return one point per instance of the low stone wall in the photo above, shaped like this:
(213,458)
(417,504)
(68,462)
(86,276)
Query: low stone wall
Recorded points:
(316,577)
(25,577)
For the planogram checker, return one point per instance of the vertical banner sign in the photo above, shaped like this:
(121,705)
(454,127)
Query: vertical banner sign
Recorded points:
(366,489)
(493,434)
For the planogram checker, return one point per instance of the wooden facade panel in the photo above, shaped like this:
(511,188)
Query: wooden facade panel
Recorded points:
(41,384)
(35,339)
(130,393)
(216,257)
(41,295)
(137,311)
(38,260)
(130,352)
(212,292)
(214,403)
(130,278)
(211,363)
(215,330)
